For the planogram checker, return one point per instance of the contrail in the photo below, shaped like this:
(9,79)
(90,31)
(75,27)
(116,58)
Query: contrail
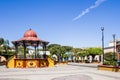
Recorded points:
(96,4)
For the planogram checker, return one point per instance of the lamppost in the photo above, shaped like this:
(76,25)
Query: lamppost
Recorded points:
(114,46)
(102,57)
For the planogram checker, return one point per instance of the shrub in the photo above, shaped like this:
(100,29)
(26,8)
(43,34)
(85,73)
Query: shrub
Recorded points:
(109,56)
(106,63)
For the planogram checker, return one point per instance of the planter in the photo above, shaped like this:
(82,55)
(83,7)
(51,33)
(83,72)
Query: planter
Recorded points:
(109,68)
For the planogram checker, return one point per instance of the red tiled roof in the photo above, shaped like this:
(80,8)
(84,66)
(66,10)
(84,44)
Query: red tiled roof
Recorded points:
(30,35)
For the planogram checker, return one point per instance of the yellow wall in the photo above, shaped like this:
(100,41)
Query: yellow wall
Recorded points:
(19,64)
(50,62)
(29,63)
(109,69)
(10,62)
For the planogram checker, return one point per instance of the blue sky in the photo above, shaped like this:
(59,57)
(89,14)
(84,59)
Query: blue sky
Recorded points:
(74,23)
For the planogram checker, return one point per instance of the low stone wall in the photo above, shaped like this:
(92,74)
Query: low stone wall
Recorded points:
(109,68)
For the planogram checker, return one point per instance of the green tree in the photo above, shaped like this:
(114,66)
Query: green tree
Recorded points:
(1,41)
(62,53)
(58,50)
(94,51)
(6,46)
(1,44)
(52,45)
(76,53)
(83,53)
(20,50)
(68,50)
(55,50)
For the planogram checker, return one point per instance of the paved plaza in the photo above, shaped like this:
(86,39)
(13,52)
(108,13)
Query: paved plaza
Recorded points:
(72,71)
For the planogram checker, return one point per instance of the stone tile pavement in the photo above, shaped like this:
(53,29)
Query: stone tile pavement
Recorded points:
(72,71)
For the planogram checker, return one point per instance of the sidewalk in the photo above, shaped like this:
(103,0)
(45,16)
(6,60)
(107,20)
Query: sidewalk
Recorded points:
(72,71)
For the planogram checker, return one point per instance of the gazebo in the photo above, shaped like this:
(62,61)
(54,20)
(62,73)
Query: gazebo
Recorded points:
(29,39)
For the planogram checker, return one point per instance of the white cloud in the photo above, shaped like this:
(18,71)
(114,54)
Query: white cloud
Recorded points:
(96,4)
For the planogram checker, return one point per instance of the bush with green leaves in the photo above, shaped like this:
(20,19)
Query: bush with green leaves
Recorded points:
(110,59)
(108,56)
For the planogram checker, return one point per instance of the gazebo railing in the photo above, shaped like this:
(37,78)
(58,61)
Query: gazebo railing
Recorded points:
(30,57)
